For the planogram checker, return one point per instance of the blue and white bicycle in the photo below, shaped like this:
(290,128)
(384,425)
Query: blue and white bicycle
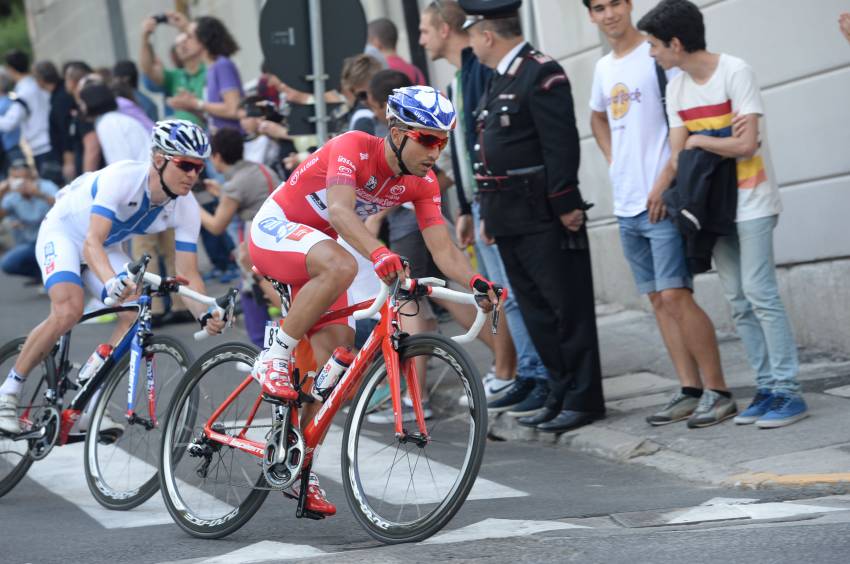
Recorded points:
(122,422)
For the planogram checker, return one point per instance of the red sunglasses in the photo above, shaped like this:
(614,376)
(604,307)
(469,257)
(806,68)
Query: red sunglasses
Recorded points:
(427,140)
(186,165)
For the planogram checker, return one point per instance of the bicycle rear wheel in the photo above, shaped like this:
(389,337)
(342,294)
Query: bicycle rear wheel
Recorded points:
(15,458)
(210,489)
(404,492)
(121,465)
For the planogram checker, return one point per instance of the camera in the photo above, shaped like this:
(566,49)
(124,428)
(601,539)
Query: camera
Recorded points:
(262,109)
(160,18)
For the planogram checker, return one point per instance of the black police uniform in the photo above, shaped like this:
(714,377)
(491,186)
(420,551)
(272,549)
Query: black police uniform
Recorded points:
(526,165)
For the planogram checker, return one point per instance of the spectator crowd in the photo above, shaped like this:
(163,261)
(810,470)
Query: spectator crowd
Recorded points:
(689,166)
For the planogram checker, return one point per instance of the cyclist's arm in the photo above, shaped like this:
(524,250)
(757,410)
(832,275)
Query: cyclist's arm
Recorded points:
(448,258)
(186,264)
(217,224)
(93,251)
(347,223)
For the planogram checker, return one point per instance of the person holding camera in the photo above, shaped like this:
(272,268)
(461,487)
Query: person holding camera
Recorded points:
(191,77)
(247,185)
(262,140)
(224,85)
(24,201)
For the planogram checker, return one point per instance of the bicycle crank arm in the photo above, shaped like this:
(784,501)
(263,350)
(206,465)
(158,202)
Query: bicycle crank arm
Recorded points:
(34,434)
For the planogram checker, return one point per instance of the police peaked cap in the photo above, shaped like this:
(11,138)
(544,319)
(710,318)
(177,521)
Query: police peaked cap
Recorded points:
(478,10)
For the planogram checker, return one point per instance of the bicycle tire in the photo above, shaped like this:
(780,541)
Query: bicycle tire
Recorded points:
(173,451)
(104,484)
(378,525)
(19,469)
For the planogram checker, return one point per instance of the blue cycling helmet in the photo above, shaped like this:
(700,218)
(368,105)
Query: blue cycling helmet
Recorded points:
(421,107)
(181,138)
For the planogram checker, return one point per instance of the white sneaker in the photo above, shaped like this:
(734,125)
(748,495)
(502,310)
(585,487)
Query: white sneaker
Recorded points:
(494,388)
(407,414)
(9,422)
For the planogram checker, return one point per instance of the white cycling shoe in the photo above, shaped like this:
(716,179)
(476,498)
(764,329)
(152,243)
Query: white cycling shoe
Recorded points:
(9,422)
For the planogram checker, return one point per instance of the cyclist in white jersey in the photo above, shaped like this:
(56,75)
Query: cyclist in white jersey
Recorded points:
(79,242)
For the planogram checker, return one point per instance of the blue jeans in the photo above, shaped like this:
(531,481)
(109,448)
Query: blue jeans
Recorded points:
(490,265)
(747,271)
(218,247)
(655,252)
(20,261)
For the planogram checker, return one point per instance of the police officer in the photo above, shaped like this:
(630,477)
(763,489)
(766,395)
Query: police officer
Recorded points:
(526,167)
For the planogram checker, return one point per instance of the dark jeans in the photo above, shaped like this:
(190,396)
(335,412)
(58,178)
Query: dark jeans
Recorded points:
(218,247)
(20,261)
(50,168)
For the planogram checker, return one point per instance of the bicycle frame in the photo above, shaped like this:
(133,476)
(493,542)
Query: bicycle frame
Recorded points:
(384,338)
(133,342)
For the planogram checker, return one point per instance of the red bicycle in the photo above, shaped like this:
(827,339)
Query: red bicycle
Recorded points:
(403,481)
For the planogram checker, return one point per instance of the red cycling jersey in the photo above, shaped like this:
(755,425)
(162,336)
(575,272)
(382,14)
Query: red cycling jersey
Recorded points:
(358,160)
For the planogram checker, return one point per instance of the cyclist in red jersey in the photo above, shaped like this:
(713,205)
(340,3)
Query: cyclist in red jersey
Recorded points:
(353,176)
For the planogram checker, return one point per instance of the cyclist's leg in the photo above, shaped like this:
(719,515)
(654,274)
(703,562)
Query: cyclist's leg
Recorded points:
(303,257)
(60,267)
(59,259)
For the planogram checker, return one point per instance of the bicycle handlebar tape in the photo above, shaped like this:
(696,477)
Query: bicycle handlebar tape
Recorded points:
(385,261)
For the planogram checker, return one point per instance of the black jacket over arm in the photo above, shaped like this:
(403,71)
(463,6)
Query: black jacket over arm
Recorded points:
(703,203)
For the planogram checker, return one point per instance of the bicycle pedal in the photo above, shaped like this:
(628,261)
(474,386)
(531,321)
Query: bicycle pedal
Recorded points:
(307,514)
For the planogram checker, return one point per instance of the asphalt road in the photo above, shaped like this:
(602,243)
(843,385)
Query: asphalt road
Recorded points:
(536,503)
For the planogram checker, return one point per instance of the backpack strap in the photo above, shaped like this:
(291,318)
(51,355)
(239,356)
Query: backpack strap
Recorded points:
(18,100)
(662,87)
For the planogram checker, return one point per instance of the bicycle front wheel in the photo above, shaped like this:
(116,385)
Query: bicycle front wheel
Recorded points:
(122,453)
(211,489)
(404,491)
(15,458)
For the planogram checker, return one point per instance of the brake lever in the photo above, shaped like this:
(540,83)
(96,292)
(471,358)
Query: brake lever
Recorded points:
(494,320)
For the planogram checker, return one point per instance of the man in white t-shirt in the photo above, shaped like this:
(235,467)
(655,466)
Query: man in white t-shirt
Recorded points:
(629,125)
(715,105)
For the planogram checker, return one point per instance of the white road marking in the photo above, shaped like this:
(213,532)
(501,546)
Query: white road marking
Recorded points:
(726,511)
(63,474)
(263,552)
(328,465)
(499,529)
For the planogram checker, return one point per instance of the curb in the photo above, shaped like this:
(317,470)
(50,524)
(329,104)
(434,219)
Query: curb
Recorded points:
(617,446)
(758,480)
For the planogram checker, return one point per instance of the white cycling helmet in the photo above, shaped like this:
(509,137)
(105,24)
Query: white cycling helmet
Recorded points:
(421,107)
(181,138)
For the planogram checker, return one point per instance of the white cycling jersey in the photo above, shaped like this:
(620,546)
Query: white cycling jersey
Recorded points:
(120,193)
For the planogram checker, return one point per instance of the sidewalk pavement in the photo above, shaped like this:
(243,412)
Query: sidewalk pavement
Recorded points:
(638,378)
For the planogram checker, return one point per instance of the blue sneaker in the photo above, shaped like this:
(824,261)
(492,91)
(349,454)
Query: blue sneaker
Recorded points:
(784,410)
(758,407)
(229,275)
(513,396)
(212,274)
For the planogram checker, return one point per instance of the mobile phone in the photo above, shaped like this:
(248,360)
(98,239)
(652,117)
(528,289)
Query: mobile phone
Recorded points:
(160,18)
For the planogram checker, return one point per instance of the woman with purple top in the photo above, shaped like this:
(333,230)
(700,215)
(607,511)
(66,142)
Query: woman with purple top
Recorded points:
(224,86)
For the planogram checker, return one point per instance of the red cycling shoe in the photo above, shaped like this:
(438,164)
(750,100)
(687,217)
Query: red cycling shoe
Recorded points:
(273,375)
(316,500)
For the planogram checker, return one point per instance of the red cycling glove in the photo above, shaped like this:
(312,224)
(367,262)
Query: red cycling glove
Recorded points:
(386,262)
(481,286)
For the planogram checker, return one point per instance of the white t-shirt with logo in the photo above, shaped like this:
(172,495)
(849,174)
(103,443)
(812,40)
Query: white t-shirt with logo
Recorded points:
(708,109)
(626,88)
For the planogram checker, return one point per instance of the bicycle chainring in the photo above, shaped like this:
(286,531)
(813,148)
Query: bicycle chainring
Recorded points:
(49,420)
(281,474)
